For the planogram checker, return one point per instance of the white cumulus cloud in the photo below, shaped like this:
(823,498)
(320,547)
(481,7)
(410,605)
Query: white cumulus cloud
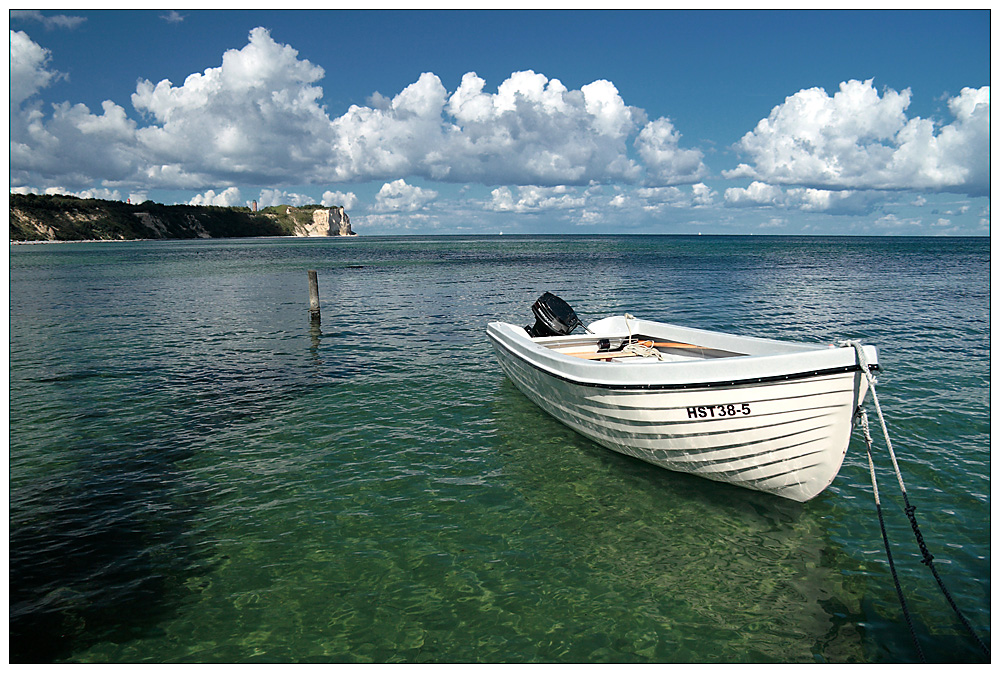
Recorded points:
(254,118)
(702,195)
(758,194)
(347,200)
(653,199)
(533,198)
(398,196)
(228,197)
(665,161)
(258,118)
(75,147)
(277,197)
(858,139)
(97,193)
(401,137)
(534,130)
(29,71)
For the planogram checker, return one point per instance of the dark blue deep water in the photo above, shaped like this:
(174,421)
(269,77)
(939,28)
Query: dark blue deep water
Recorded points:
(198,474)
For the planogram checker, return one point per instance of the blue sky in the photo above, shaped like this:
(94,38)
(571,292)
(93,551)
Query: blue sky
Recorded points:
(730,122)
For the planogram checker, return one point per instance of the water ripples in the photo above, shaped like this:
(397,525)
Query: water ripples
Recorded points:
(197,474)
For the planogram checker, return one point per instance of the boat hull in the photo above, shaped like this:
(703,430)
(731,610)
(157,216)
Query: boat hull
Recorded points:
(785,435)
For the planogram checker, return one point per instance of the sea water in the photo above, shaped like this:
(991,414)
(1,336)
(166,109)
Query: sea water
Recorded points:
(199,473)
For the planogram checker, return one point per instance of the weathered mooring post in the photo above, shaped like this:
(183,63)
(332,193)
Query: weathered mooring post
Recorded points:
(313,297)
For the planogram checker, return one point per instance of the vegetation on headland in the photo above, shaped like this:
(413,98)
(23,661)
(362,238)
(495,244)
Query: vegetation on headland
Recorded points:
(36,217)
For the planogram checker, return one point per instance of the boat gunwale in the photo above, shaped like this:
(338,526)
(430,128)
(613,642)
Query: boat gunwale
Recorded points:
(694,385)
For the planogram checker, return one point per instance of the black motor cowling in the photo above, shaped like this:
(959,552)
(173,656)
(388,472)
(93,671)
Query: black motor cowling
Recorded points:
(553,317)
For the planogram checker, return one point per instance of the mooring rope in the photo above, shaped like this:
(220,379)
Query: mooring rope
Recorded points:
(910,510)
(863,415)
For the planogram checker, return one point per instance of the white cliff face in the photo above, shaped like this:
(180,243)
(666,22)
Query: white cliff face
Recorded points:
(340,223)
(327,222)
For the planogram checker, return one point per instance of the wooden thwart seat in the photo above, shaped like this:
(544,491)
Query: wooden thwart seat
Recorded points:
(607,355)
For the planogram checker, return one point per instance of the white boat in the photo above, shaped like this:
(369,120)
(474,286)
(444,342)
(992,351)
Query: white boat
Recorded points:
(774,416)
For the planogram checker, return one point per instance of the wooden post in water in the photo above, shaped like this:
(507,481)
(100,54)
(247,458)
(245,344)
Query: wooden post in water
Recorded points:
(313,297)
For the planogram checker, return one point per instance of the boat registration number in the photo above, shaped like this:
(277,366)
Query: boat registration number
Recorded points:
(719,410)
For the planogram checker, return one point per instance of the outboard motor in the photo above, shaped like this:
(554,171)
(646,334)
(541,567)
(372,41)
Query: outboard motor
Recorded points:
(553,317)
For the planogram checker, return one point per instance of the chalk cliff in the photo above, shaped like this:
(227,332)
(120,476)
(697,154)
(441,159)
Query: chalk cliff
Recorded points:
(339,218)
(326,222)
(35,217)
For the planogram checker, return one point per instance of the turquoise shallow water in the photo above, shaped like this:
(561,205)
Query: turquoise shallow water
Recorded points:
(197,474)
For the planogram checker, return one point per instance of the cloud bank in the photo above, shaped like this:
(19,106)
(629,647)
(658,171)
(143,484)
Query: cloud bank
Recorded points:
(534,144)
(259,118)
(857,139)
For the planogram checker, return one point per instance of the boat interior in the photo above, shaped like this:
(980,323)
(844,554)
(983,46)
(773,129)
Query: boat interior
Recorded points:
(555,321)
(630,348)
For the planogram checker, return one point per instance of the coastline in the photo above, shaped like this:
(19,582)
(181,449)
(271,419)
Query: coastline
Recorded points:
(85,240)
(202,238)
(40,218)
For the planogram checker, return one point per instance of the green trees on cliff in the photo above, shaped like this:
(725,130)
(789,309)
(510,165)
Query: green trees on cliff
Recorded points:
(36,217)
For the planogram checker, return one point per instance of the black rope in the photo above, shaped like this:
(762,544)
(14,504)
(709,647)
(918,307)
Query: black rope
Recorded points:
(888,550)
(899,590)
(928,560)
